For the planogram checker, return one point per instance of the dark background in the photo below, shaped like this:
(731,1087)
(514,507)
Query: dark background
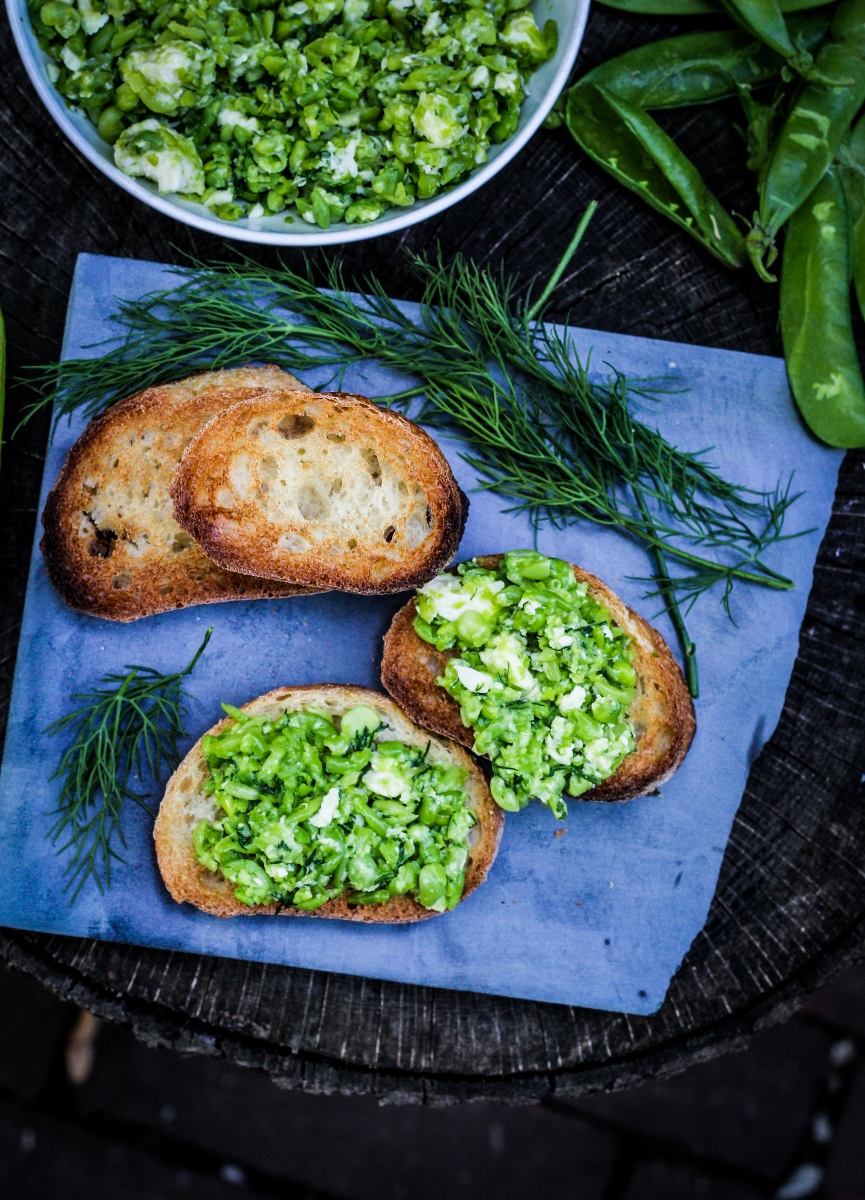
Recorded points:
(785,1119)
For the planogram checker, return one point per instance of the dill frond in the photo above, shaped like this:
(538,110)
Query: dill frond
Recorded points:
(130,725)
(561,445)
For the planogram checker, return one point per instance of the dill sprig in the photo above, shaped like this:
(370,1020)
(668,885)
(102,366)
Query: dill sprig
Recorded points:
(131,724)
(563,446)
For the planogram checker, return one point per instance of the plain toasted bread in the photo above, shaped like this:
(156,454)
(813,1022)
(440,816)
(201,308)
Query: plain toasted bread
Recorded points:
(662,713)
(111,545)
(326,489)
(185,804)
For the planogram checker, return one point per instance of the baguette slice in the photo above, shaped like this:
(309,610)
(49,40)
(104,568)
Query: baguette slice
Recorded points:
(111,545)
(662,713)
(327,490)
(185,804)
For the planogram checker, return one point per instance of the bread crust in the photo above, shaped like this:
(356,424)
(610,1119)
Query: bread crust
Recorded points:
(326,490)
(662,713)
(111,545)
(185,804)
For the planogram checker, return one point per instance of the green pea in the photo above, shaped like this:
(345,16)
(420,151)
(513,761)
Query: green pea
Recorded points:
(619,695)
(271,764)
(405,880)
(360,719)
(506,127)
(254,743)
(423,79)
(305,811)
(445,635)
(504,796)
(421,627)
(241,791)
(432,883)
(374,820)
(526,564)
(633,148)
(393,810)
(473,628)
(431,810)
(110,124)
(380,896)
(604,710)
(577,786)
(587,728)
(427,185)
(551,37)
(362,871)
(203,842)
(125,34)
(824,371)
(454,891)
(297,155)
(125,99)
(428,851)
(403,147)
(62,17)
(562,572)
(251,879)
(101,40)
(312,903)
(622,672)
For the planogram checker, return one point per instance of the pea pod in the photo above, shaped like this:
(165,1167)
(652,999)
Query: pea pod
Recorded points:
(697,8)
(634,149)
(853,174)
(698,68)
(816,328)
(812,133)
(764,20)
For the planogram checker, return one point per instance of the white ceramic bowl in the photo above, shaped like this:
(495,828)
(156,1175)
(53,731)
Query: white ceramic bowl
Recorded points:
(544,87)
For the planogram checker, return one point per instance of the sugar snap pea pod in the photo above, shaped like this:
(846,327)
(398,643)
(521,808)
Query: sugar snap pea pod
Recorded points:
(697,8)
(812,133)
(629,144)
(764,19)
(852,160)
(698,68)
(816,328)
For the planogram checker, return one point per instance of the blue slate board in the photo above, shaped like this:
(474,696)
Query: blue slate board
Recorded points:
(599,917)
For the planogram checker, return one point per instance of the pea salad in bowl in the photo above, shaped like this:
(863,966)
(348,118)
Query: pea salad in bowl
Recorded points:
(298,121)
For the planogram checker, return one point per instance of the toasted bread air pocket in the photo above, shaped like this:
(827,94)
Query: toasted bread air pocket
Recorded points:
(323,490)
(111,545)
(661,713)
(187,804)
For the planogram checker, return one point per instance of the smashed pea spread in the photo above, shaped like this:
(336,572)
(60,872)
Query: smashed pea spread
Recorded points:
(543,677)
(326,110)
(312,808)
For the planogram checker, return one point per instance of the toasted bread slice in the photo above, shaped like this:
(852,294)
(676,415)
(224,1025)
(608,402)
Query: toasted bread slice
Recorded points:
(111,545)
(185,804)
(327,490)
(662,713)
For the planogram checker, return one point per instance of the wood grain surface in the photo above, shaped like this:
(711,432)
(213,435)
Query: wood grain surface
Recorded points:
(790,905)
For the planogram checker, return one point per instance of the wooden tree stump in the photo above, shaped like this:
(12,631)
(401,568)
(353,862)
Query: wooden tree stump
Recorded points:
(790,905)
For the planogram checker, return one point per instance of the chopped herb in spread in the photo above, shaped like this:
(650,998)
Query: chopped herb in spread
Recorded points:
(543,676)
(312,811)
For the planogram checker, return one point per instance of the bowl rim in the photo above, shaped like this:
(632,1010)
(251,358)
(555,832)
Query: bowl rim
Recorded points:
(188,215)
